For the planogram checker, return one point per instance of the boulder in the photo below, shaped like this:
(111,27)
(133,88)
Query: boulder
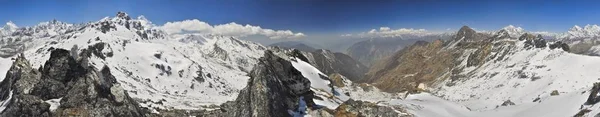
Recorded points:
(540,43)
(554,93)
(507,103)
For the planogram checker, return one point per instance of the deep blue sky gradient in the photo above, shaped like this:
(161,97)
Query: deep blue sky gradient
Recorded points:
(320,17)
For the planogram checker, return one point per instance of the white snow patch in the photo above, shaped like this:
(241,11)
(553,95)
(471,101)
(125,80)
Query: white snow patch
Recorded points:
(320,85)
(54,103)
(5,103)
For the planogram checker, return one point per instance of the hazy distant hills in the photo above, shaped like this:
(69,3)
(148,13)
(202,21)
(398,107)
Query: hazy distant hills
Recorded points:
(294,44)
(369,51)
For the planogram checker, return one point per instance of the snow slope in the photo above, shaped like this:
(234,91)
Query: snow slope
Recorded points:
(514,31)
(526,78)
(428,105)
(320,84)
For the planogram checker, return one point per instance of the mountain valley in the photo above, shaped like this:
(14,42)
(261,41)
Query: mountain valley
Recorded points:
(124,66)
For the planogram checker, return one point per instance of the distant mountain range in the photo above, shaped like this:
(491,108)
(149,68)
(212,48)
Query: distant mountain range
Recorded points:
(372,50)
(295,45)
(582,40)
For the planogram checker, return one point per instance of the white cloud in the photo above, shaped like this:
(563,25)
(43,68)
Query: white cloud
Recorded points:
(388,32)
(229,29)
(346,35)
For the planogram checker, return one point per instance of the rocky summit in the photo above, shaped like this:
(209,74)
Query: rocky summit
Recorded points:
(64,87)
(275,87)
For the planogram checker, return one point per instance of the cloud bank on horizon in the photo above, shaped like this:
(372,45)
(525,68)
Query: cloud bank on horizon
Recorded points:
(387,32)
(230,29)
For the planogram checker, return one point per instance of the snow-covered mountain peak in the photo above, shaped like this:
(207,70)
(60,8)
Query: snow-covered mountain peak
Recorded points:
(52,25)
(513,28)
(575,28)
(577,32)
(514,31)
(147,24)
(10,26)
(591,27)
(122,15)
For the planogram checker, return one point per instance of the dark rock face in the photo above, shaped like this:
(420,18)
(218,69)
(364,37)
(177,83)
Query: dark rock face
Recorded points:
(526,36)
(540,43)
(532,41)
(82,89)
(593,98)
(507,103)
(218,52)
(565,47)
(60,69)
(502,34)
(561,45)
(123,15)
(469,35)
(274,88)
(465,32)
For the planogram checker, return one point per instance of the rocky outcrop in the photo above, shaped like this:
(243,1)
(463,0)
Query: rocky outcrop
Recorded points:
(352,108)
(593,97)
(560,45)
(532,41)
(502,34)
(82,90)
(275,89)
(465,32)
(507,103)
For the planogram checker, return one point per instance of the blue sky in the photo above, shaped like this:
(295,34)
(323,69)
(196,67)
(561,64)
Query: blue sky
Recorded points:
(320,17)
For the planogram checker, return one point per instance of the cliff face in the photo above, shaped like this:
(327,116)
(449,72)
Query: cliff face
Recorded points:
(64,87)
